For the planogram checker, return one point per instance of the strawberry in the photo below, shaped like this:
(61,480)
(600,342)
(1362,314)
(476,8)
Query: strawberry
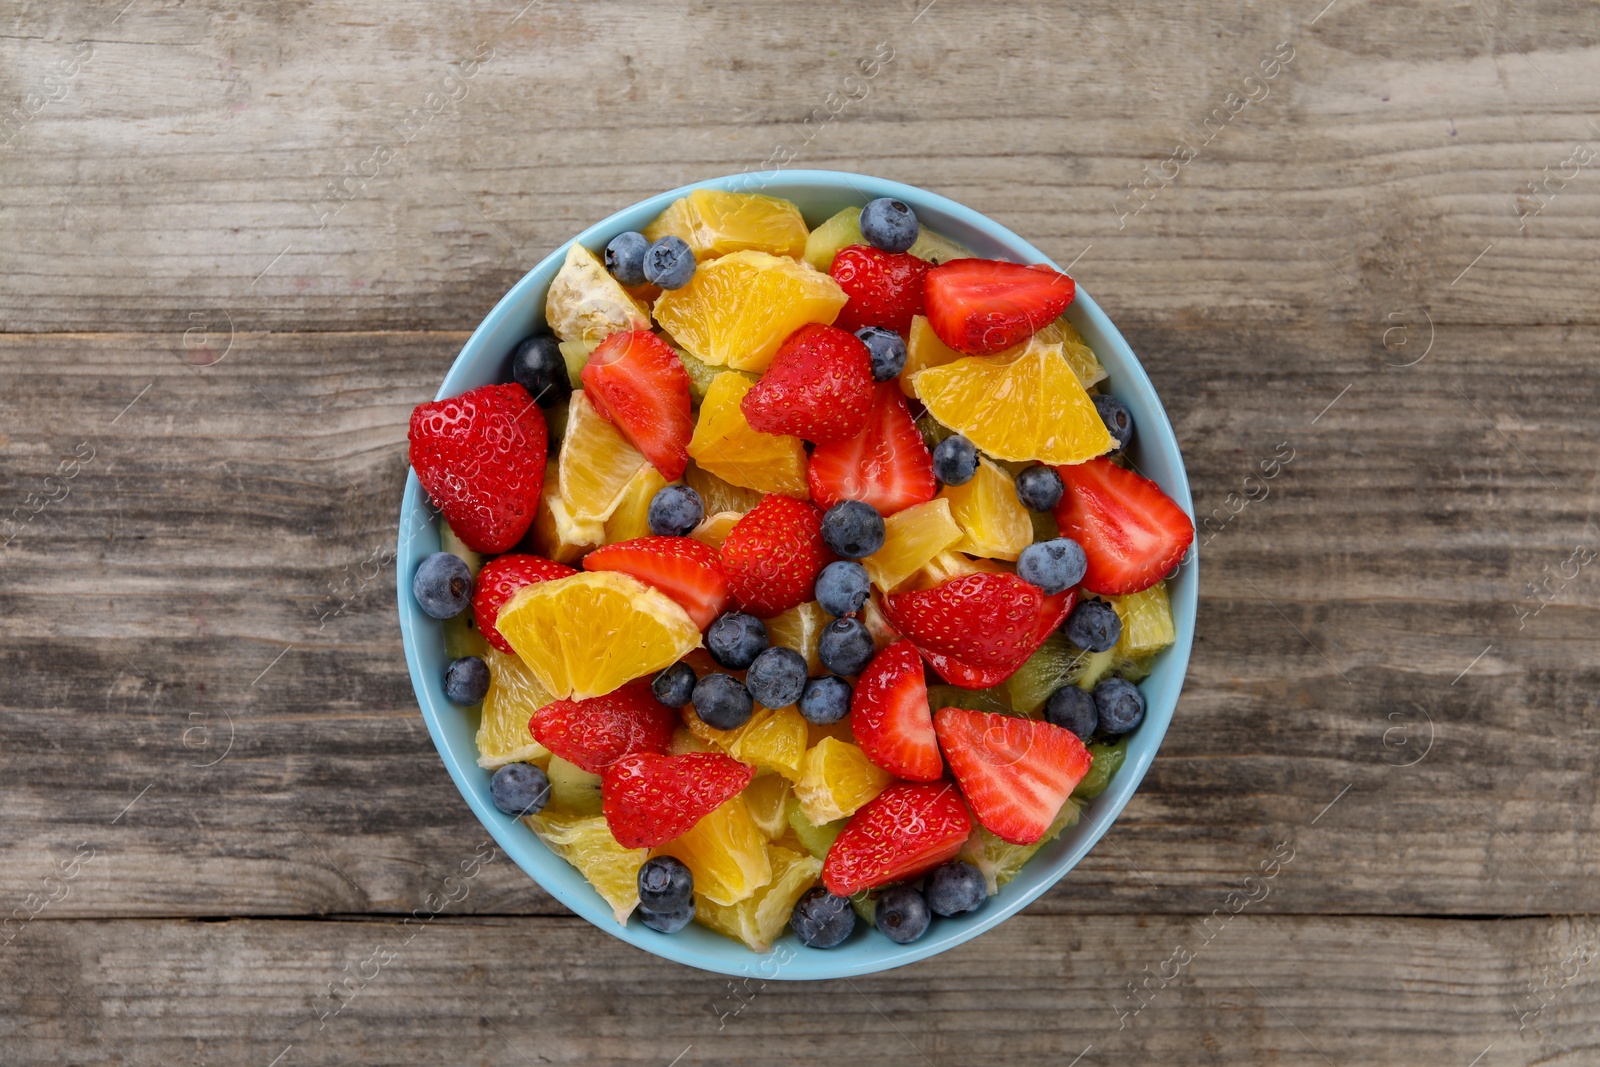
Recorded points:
(819,387)
(890,719)
(481,458)
(685,569)
(981,306)
(773,555)
(597,732)
(637,382)
(885,288)
(976,630)
(1132,532)
(498,580)
(649,799)
(887,464)
(905,830)
(1016,773)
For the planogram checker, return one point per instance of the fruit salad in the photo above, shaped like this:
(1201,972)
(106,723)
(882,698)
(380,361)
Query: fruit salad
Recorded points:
(797,578)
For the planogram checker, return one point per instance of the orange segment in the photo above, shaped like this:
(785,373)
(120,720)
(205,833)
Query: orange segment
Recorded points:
(800,628)
(715,528)
(924,350)
(993,521)
(838,779)
(761,917)
(725,444)
(726,852)
(911,538)
(557,534)
(950,564)
(596,463)
(587,844)
(774,739)
(514,695)
(718,494)
(631,519)
(713,223)
(1079,356)
(767,797)
(585,303)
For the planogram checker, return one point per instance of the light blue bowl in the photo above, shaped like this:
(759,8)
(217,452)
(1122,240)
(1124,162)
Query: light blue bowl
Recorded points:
(483,360)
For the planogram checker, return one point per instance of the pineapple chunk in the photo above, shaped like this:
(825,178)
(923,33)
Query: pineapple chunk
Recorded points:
(911,538)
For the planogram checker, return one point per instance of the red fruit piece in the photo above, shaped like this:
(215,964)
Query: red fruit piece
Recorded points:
(887,464)
(885,288)
(773,555)
(976,630)
(685,569)
(650,799)
(498,580)
(890,719)
(905,830)
(1016,773)
(481,458)
(597,732)
(818,387)
(637,381)
(981,306)
(1132,532)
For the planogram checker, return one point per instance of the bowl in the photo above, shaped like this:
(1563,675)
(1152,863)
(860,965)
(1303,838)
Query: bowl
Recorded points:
(484,360)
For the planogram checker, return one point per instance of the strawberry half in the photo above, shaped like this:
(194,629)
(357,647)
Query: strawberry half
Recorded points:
(637,381)
(890,719)
(773,555)
(905,830)
(1016,773)
(982,306)
(597,732)
(685,569)
(650,799)
(498,580)
(887,464)
(976,630)
(1132,532)
(885,288)
(481,458)
(819,386)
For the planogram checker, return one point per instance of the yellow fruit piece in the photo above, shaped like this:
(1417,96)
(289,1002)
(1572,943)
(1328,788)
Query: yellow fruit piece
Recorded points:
(586,303)
(838,778)
(726,851)
(993,521)
(575,354)
(844,229)
(596,463)
(461,636)
(1146,622)
(1028,407)
(451,543)
(767,797)
(584,635)
(800,628)
(877,624)
(573,790)
(738,309)
(774,739)
(1000,861)
(514,695)
(1079,356)
(760,918)
(936,248)
(713,223)
(839,731)
(631,519)
(556,534)
(924,350)
(910,539)
(947,565)
(714,530)
(587,844)
(716,493)
(725,445)
(684,740)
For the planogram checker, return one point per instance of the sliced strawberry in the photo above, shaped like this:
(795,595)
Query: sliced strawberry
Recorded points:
(597,732)
(890,719)
(498,580)
(976,630)
(981,306)
(637,381)
(773,555)
(685,569)
(481,458)
(650,799)
(1132,532)
(887,464)
(905,830)
(819,386)
(885,288)
(1016,773)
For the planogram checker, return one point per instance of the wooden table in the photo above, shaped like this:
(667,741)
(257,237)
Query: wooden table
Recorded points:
(240,242)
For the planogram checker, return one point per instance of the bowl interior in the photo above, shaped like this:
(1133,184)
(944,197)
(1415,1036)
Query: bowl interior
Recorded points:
(484,360)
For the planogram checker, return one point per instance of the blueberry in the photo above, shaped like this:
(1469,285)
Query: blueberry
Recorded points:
(902,914)
(1072,709)
(722,701)
(669,921)
(1120,704)
(519,789)
(625,257)
(736,639)
(1039,488)
(845,646)
(954,888)
(674,511)
(842,587)
(537,366)
(777,677)
(669,262)
(674,686)
(442,585)
(826,700)
(955,460)
(1054,565)
(1118,419)
(822,920)
(1093,626)
(852,528)
(466,680)
(665,883)
(888,351)
(888,224)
